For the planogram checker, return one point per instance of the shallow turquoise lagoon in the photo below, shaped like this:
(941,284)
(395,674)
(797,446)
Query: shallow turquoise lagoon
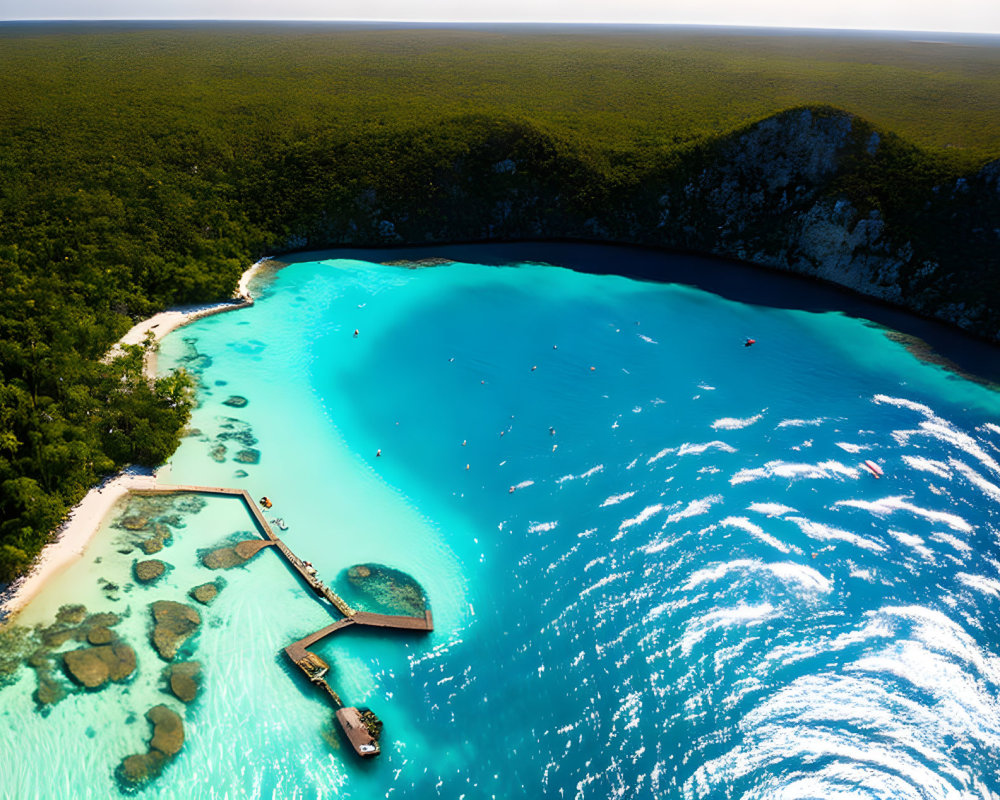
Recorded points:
(656,562)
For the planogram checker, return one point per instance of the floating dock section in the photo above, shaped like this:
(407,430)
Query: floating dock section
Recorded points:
(360,725)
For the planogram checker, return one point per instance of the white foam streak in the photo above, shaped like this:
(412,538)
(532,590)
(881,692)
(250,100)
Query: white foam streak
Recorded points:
(902,402)
(922,464)
(889,505)
(695,508)
(697,449)
(989,586)
(817,530)
(699,627)
(617,498)
(793,471)
(542,527)
(847,447)
(582,475)
(744,524)
(735,423)
(991,490)
(665,451)
(910,540)
(641,517)
(770,509)
(800,423)
(786,571)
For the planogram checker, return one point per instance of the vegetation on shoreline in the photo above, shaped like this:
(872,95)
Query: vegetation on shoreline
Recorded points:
(141,168)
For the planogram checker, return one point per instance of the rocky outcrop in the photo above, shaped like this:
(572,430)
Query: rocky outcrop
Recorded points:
(149,571)
(174,624)
(222,558)
(92,667)
(388,590)
(185,680)
(205,593)
(168,738)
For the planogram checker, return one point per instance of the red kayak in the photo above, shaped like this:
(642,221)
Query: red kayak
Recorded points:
(874,469)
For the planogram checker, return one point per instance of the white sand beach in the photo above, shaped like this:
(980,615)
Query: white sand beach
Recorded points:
(84,519)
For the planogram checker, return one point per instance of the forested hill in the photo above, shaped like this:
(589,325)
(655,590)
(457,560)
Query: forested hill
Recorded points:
(145,167)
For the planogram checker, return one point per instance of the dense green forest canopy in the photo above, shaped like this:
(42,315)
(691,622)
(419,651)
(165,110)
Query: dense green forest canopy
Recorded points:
(144,166)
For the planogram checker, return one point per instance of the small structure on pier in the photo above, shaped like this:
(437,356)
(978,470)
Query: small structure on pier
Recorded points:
(362,728)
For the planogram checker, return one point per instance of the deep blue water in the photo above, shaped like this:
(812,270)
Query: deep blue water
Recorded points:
(657,564)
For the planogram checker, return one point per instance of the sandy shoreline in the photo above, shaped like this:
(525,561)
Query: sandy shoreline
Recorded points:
(84,519)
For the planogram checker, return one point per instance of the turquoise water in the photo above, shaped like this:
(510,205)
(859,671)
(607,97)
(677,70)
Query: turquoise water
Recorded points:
(657,565)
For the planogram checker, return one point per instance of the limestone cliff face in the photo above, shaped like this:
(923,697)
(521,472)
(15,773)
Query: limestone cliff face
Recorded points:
(783,195)
(812,191)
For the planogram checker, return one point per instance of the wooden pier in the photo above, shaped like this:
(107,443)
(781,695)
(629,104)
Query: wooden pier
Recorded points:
(357,724)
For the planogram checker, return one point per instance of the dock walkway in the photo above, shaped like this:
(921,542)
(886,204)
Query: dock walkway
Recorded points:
(298,652)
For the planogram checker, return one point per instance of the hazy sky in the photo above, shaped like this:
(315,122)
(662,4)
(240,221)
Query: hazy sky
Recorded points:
(982,16)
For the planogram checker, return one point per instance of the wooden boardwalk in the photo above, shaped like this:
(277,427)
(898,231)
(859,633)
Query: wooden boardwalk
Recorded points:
(298,651)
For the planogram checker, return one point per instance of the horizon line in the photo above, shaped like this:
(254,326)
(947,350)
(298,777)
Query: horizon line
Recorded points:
(616,23)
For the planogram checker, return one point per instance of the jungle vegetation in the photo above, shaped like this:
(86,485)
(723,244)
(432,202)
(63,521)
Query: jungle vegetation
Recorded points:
(143,166)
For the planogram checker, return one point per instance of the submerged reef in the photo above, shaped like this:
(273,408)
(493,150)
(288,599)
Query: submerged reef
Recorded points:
(234,433)
(146,521)
(205,593)
(92,667)
(167,740)
(184,680)
(149,571)
(174,624)
(104,658)
(388,588)
(16,644)
(245,547)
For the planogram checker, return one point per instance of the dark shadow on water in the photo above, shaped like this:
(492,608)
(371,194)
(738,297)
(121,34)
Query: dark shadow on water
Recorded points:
(929,340)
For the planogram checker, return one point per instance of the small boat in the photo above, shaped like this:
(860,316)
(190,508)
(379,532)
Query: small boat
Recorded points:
(874,469)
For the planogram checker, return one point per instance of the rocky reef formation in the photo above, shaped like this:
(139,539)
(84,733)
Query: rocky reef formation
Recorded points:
(149,571)
(229,556)
(387,589)
(104,658)
(168,738)
(174,624)
(92,667)
(205,593)
(184,680)
(147,521)
(816,191)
